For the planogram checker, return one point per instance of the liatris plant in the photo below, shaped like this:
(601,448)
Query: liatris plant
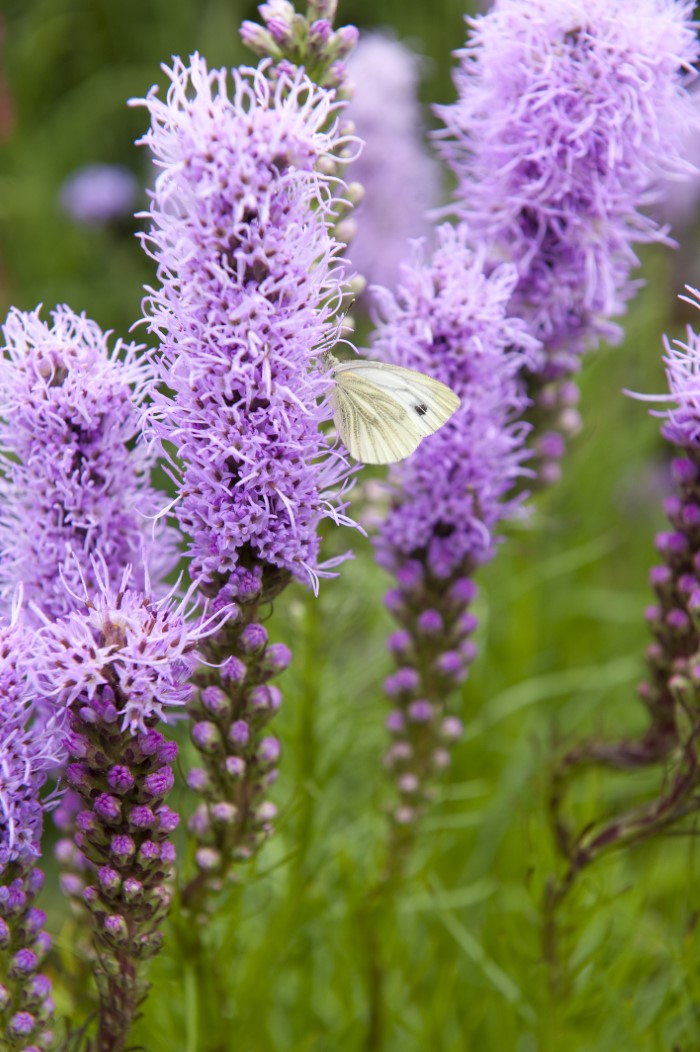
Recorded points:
(568,115)
(384,109)
(30,745)
(118,664)
(449,319)
(248,301)
(74,480)
(672,690)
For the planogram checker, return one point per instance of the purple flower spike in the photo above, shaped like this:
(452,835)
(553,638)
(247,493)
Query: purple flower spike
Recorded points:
(241,222)
(117,665)
(68,400)
(248,301)
(605,84)
(671,691)
(447,318)
(558,182)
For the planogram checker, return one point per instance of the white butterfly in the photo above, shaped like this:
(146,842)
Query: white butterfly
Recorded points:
(382,412)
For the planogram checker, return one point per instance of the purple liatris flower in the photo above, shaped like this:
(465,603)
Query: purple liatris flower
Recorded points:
(672,688)
(569,114)
(117,664)
(399,178)
(249,298)
(73,484)
(448,318)
(30,745)
(250,286)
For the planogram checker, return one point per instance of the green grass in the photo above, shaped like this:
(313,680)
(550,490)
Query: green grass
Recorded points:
(298,952)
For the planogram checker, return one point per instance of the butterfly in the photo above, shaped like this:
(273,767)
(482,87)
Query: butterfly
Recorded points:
(382,412)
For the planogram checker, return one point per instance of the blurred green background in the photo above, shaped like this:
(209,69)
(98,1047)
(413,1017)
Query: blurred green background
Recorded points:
(298,953)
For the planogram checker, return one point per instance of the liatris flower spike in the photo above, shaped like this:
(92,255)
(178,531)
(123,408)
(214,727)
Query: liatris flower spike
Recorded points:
(672,691)
(448,317)
(31,744)
(74,483)
(569,114)
(248,303)
(118,664)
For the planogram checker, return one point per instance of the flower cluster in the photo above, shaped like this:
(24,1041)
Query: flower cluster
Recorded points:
(674,656)
(118,664)
(568,114)
(292,39)
(229,716)
(672,688)
(251,288)
(72,485)
(386,115)
(448,319)
(250,283)
(30,745)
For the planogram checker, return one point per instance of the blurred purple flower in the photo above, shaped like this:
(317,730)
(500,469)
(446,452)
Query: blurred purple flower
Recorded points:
(568,114)
(401,181)
(99,194)
(74,483)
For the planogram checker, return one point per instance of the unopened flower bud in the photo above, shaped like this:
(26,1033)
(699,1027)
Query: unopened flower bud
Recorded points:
(207,858)
(239,733)
(206,737)
(253,638)
(420,711)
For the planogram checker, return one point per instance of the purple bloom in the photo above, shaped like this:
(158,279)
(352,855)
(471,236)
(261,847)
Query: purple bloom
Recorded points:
(72,485)
(117,664)
(399,178)
(568,113)
(448,318)
(250,286)
(99,194)
(122,658)
(249,301)
(670,691)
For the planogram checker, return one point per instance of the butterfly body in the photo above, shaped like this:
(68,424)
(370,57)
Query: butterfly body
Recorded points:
(382,412)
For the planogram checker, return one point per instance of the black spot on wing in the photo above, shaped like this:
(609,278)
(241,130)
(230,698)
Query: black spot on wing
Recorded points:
(421,409)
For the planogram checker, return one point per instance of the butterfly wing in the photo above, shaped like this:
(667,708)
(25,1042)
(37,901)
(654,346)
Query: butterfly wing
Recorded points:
(383,411)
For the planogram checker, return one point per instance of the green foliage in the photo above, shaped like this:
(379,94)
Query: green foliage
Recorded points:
(308,954)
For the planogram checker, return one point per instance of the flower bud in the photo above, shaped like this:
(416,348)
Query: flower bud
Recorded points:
(215,701)
(253,638)
(206,737)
